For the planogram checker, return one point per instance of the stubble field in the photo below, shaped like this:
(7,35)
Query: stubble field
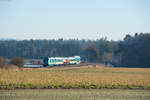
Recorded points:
(88,77)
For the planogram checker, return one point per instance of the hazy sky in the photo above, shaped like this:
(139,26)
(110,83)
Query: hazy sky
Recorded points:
(82,19)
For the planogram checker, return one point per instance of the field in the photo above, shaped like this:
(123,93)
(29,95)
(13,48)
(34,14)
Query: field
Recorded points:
(89,77)
(75,94)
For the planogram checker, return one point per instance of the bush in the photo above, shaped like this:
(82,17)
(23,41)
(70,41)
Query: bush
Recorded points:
(3,62)
(18,62)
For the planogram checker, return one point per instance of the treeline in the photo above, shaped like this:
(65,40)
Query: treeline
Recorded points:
(89,50)
(133,51)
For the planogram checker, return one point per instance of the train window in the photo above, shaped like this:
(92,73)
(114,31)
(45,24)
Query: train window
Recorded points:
(51,60)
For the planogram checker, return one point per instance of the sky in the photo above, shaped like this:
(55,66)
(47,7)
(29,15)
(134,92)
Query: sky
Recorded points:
(73,19)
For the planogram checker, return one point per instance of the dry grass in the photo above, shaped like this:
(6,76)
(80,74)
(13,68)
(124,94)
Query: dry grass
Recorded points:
(74,94)
(70,77)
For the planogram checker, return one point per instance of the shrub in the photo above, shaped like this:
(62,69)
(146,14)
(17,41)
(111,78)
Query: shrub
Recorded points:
(3,62)
(18,62)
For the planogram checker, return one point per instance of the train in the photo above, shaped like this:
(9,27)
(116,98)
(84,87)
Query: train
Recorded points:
(53,61)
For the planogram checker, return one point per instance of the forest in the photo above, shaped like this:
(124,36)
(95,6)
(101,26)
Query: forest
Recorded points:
(132,51)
